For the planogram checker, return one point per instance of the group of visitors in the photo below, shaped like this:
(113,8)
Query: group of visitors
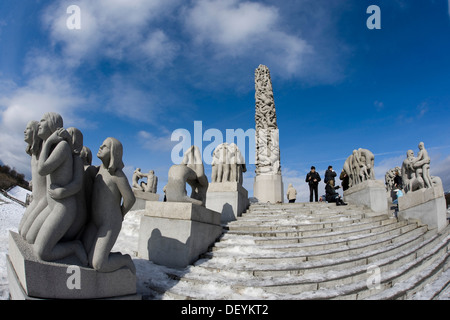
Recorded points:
(313,178)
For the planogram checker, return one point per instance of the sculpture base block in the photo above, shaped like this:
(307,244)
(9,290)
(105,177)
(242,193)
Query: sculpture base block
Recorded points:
(369,193)
(142,198)
(426,205)
(269,188)
(228,198)
(31,278)
(175,234)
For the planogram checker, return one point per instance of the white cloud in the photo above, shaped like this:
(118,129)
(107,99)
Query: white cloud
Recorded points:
(246,30)
(115,29)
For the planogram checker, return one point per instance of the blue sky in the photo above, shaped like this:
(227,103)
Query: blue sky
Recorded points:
(139,69)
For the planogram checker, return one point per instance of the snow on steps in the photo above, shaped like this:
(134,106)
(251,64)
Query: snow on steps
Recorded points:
(318,251)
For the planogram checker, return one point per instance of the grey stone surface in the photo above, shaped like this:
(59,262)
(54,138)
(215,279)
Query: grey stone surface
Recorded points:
(176,234)
(269,188)
(30,277)
(427,205)
(142,198)
(228,198)
(268,185)
(369,193)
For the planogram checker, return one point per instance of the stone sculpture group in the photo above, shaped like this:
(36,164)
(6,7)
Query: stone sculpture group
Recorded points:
(77,209)
(151,186)
(359,166)
(228,164)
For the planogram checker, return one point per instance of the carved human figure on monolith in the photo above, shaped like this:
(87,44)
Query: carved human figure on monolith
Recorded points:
(57,164)
(39,183)
(190,171)
(112,198)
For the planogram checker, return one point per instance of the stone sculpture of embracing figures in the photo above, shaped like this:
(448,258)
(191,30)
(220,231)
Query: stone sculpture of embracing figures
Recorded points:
(77,209)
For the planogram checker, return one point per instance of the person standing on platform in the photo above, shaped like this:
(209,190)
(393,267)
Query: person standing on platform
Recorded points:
(329,175)
(313,179)
(291,194)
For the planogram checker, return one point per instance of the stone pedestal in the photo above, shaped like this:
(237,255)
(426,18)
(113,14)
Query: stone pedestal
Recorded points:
(142,198)
(426,205)
(228,198)
(269,188)
(30,278)
(175,234)
(369,193)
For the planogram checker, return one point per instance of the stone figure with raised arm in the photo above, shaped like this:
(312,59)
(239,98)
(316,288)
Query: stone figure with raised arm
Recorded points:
(190,171)
(39,182)
(112,198)
(137,175)
(57,164)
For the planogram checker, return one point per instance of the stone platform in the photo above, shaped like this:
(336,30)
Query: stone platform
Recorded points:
(426,205)
(175,234)
(269,188)
(142,198)
(30,278)
(369,193)
(228,198)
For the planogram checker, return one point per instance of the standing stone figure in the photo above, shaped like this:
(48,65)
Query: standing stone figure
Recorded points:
(422,165)
(416,171)
(152,182)
(267,137)
(112,198)
(237,164)
(39,183)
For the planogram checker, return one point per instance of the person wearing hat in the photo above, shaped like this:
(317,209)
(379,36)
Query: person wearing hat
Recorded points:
(313,179)
(291,193)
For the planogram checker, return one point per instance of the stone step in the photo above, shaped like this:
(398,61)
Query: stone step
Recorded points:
(425,257)
(315,237)
(320,228)
(273,256)
(298,225)
(248,243)
(292,267)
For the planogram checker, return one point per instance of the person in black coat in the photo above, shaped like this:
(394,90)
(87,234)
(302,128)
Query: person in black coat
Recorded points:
(345,180)
(329,174)
(313,179)
(332,195)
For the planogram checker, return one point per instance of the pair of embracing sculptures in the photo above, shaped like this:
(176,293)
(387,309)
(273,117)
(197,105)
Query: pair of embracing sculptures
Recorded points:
(77,209)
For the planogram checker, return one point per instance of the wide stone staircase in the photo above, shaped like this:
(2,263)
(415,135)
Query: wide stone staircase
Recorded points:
(318,251)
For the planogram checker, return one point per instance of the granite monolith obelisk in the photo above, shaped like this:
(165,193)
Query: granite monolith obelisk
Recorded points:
(268,186)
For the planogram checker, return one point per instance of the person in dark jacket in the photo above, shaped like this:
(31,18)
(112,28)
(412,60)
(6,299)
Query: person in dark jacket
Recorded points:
(398,181)
(332,195)
(313,179)
(329,174)
(345,180)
